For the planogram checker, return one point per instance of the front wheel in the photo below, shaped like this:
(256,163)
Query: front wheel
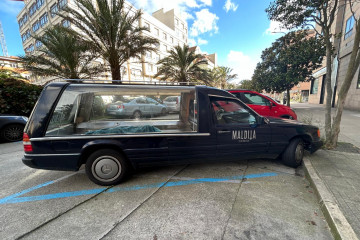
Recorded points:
(106,167)
(294,153)
(137,115)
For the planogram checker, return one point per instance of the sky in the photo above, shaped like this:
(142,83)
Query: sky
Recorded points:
(236,30)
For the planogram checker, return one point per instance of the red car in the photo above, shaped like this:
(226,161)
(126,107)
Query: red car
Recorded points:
(264,105)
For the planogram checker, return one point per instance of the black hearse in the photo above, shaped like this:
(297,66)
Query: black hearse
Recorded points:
(70,126)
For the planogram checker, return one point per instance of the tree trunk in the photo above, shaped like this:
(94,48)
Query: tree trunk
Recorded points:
(345,86)
(328,90)
(288,97)
(115,72)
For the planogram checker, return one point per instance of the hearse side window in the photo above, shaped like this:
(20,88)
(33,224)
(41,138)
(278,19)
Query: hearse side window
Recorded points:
(113,109)
(230,112)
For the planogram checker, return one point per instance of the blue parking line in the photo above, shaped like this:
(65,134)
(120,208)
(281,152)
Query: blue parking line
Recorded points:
(15,198)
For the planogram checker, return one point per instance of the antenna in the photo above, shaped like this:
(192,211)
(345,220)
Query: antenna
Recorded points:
(2,42)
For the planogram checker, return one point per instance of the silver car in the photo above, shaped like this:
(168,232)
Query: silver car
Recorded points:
(136,108)
(172,103)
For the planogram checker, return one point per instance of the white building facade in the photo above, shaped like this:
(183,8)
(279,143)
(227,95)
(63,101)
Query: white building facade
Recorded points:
(167,27)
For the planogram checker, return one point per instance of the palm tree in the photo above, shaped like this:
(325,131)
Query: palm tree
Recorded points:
(63,54)
(221,76)
(113,30)
(184,66)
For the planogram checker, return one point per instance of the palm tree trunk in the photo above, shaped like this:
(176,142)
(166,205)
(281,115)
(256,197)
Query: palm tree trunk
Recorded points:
(115,71)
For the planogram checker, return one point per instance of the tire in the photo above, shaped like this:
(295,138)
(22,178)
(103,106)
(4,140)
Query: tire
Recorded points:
(294,153)
(106,167)
(137,115)
(287,117)
(12,133)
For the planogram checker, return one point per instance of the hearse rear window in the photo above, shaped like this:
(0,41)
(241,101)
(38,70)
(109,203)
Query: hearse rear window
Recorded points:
(123,109)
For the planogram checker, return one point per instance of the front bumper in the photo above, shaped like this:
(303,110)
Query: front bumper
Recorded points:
(314,146)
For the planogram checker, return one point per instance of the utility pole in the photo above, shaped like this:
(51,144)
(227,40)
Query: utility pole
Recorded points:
(2,42)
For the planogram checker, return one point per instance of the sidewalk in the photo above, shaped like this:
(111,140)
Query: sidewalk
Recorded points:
(336,174)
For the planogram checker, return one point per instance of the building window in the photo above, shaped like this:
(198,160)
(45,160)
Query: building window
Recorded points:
(39,3)
(38,44)
(349,27)
(32,9)
(25,36)
(65,23)
(157,32)
(25,18)
(150,67)
(157,57)
(182,25)
(171,39)
(43,19)
(314,86)
(177,22)
(30,48)
(164,36)
(62,3)
(36,26)
(53,10)
(148,54)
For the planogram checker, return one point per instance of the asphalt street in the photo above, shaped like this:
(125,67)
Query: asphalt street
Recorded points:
(257,199)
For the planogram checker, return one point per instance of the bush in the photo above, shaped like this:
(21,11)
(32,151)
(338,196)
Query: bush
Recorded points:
(17,96)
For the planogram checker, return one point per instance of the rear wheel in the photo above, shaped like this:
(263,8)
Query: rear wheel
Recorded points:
(106,167)
(294,153)
(12,133)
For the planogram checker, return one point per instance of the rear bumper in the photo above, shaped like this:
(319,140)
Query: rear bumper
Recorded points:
(52,162)
(314,146)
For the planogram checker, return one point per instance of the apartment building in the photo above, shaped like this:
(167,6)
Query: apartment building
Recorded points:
(211,58)
(167,27)
(13,64)
(345,23)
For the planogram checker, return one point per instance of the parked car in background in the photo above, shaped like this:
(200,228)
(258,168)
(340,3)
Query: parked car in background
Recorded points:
(12,127)
(172,103)
(264,105)
(136,108)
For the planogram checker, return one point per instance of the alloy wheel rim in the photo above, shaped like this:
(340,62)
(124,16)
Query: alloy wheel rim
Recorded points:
(13,133)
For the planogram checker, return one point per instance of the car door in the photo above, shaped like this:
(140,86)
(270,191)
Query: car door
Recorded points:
(239,135)
(155,106)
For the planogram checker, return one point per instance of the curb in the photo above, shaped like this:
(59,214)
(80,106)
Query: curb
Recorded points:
(339,226)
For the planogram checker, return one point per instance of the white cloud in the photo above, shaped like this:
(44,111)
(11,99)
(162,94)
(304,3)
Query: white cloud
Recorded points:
(206,2)
(275,27)
(11,7)
(230,6)
(202,41)
(241,64)
(205,21)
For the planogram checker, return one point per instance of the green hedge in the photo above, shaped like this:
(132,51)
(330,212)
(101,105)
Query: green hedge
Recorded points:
(17,96)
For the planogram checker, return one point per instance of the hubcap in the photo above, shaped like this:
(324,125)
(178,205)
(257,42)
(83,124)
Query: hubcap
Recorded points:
(106,168)
(299,153)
